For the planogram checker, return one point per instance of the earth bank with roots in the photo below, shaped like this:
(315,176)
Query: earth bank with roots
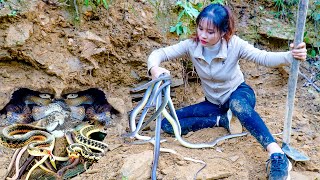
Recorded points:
(44,48)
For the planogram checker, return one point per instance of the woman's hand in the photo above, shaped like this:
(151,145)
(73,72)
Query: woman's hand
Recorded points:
(156,71)
(299,52)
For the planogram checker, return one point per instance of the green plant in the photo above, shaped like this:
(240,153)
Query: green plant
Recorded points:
(97,2)
(218,1)
(312,32)
(186,18)
(284,8)
(74,5)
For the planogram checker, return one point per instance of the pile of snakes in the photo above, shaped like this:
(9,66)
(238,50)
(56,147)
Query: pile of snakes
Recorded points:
(157,95)
(53,137)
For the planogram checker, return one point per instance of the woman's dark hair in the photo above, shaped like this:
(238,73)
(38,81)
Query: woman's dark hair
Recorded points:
(220,17)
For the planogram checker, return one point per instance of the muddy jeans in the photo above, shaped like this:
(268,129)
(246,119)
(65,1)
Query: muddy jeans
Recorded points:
(204,115)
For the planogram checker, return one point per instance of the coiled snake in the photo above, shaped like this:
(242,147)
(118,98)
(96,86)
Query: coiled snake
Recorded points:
(51,113)
(38,141)
(34,136)
(154,93)
(20,112)
(83,143)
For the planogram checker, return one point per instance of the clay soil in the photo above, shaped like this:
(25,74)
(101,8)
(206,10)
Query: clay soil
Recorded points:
(44,47)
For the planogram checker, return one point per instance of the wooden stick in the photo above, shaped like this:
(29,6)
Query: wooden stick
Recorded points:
(300,25)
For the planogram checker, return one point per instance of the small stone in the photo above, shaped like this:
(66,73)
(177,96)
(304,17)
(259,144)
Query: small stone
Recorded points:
(181,163)
(219,149)
(234,158)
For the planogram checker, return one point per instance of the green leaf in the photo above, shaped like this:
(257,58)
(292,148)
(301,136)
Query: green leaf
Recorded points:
(199,5)
(185,30)
(178,31)
(313,53)
(105,4)
(172,28)
(307,40)
(13,13)
(317,17)
(181,14)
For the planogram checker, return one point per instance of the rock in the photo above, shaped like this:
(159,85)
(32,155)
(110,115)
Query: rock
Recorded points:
(17,34)
(135,75)
(91,36)
(175,82)
(118,104)
(4,55)
(234,158)
(137,166)
(276,29)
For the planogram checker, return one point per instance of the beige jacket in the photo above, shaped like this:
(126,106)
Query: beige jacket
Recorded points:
(223,75)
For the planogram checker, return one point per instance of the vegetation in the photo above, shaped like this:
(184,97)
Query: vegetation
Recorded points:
(97,2)
(188,12)
(187,16)
(285,10)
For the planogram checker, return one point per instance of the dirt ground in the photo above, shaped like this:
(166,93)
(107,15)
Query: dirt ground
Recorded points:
(44,48)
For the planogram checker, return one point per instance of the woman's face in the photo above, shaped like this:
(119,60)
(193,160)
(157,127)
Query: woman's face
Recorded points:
(208,35)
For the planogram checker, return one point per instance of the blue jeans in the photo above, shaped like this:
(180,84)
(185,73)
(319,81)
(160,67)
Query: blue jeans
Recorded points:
(204,115)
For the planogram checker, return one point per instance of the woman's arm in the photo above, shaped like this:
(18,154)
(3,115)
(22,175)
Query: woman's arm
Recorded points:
(165,54)
(272,59)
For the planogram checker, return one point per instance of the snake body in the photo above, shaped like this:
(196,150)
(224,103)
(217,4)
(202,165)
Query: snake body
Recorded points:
(83,143)
(33,136)
(18,114)
(73,150)
(41,112)
(75,100)
(160,109)
(173,121)
(39,141)
(40,100)
(93,112)
(20,109)
(99,113)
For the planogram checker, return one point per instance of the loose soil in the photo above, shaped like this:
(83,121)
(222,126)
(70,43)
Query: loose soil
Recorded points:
(43,47)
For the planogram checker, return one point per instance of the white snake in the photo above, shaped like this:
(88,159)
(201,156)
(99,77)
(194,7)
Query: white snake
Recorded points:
(154,93)
(173,120)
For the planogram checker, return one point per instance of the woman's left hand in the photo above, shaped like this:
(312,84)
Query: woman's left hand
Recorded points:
(299,52)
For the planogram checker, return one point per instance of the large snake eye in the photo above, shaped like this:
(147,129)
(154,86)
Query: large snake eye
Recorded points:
(72,96)
(45,96)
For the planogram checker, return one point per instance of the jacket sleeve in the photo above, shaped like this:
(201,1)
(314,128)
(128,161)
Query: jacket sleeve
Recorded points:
(168,53)
(262,57)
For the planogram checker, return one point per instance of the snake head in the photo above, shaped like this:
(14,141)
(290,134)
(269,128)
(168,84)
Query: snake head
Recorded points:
(52,160)
(74,155)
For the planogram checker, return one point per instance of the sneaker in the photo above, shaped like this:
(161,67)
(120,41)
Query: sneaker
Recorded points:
(230,122)
(280,167)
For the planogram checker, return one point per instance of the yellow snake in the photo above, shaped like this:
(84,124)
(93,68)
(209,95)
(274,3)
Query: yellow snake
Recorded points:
(38,142)
(83,143)
(19,135)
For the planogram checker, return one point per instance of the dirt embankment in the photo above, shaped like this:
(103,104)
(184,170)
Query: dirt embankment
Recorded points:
(43,47)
